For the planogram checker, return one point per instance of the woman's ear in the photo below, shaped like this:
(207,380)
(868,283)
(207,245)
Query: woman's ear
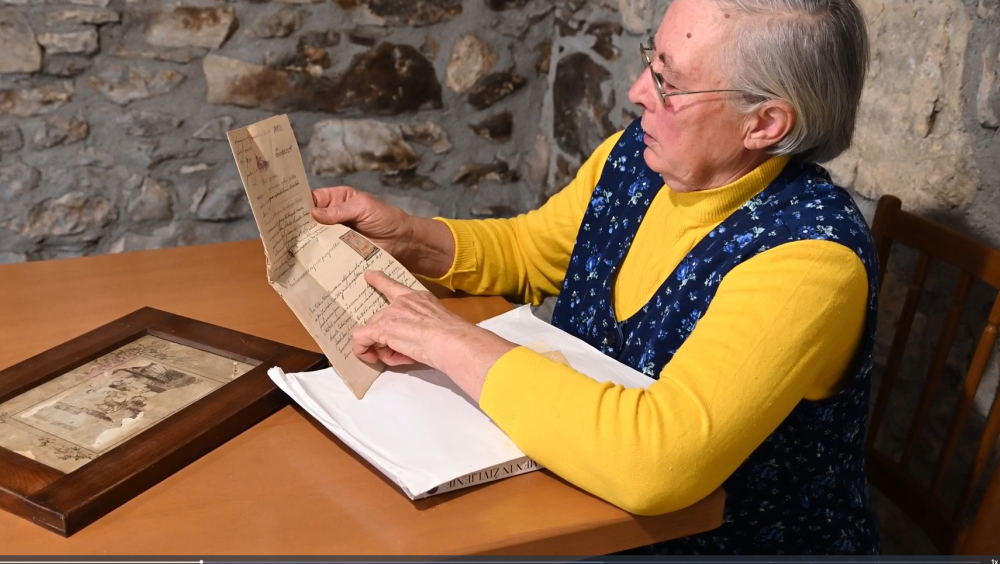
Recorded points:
(768,125)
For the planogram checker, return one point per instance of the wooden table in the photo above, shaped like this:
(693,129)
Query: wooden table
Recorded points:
(286,486)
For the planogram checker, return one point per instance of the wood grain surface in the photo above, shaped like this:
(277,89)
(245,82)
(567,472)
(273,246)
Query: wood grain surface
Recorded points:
(286,486)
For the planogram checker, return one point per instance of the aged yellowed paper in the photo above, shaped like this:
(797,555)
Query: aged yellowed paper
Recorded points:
(317,269)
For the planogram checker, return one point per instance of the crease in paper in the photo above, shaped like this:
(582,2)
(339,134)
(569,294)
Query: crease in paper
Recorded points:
(317,269)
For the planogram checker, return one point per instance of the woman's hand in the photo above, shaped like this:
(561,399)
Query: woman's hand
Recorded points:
(385,225)
(423,246)
(415,327)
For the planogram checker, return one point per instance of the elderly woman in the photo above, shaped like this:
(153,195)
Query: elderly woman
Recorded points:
(702,247)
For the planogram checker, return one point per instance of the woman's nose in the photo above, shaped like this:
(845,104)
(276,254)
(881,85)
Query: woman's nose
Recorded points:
(642,90)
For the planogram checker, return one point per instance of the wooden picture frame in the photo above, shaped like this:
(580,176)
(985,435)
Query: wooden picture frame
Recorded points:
(95,386)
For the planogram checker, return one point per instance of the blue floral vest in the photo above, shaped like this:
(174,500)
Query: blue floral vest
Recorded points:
(803,490)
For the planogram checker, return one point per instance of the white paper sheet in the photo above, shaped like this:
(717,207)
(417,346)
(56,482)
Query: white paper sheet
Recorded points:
(421,430)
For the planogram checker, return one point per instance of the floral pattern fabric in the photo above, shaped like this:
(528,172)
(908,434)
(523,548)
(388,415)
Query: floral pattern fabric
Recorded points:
(802,491)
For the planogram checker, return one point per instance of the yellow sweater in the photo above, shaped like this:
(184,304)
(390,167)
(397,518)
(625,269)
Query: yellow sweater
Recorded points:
(783,326)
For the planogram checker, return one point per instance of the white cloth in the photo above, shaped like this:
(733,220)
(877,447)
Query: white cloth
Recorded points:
(421,430)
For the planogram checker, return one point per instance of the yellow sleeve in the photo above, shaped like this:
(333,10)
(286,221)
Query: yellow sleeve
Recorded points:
(524,258)
(780,322)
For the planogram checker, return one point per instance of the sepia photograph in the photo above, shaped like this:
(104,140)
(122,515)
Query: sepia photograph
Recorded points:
(78,416)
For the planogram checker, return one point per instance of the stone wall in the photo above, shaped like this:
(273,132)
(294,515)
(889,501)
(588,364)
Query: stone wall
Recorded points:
(113,116)
(113,113)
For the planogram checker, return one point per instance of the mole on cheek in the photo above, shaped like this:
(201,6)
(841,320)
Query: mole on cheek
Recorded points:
(689,36)
(727,16)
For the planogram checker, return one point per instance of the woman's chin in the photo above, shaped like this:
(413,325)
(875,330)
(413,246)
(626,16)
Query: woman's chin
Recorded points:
(650,157)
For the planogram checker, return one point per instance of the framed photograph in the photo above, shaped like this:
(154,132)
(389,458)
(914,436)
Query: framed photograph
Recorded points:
(92,423)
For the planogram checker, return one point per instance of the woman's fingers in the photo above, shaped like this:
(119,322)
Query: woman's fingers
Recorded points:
(323,197)
(407,330)
(391,357)
(340,211)
(386,286)
(377,352)
(372,345)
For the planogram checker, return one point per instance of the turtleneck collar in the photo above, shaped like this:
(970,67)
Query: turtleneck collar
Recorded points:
(712,206)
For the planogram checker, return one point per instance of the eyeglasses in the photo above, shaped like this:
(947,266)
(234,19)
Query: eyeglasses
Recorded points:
(658,78)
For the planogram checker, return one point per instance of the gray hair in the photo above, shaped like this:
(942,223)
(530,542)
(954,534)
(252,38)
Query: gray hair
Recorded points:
(812,54)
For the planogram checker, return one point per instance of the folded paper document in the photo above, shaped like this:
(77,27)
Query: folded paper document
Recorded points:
(422,431)
(317,269)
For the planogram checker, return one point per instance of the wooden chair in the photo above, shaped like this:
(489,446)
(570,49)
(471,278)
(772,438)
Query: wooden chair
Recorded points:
(946,526)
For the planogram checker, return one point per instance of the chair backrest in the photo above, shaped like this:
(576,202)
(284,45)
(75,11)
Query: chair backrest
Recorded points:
(947,526)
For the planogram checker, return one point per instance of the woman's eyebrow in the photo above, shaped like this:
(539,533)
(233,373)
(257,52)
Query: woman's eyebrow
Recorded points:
(668,67)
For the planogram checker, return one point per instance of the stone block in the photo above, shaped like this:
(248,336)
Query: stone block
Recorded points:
(93,16)
(160,238)
(308,59)
(181,55)
(987,9)
(72,214)
(408,12)
(428,134)
(501,5)
(98,3)
(232,81)
(18,43)
(224,202)
(471,59)
(544,60)
(189,26)
(494,211)
(34,101)
(430,47)
(495,87)
(536,165)
(389,79)
(18,179)
(581,102)
(73,42)
(564,173)
(603,33)
(124,83)
(58,130)
(10,138)
(637,15)
(516,24)
(320,39)
(471,174)
(215,129)
(406,179)
(154,153)
(153,202)
(8,257)
(282,23)
(339,147)
(364,38)
(66,66)
(195,168)
(144,123)
(988,95)
(496,128)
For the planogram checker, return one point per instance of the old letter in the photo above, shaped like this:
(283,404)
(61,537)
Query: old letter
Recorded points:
(317,269)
